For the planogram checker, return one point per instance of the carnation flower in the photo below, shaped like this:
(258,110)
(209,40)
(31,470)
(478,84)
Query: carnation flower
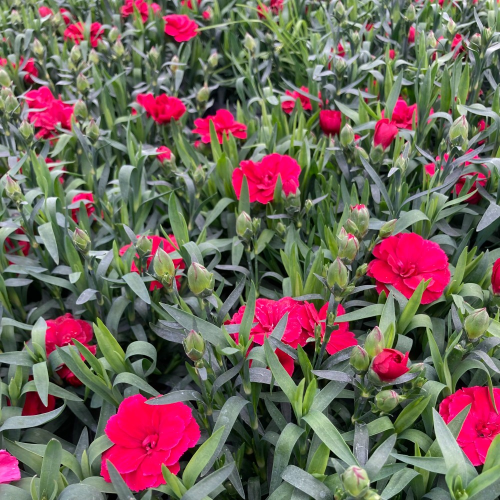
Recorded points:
(495,278)
(288,105)
(156,242)
(385,133)
(430,168)
(482,423)
(189,4)
(145,437)
(164,153)
(180,27)
(330,121)
(89,206)
(404,260)
(403,115)
(481,180)
(390,364)
(262,177)
(411,35)
(224,124)
(9,468)
(76,32)
(63,331)
(142,6)
(163,108)
(44,11)
(33,404)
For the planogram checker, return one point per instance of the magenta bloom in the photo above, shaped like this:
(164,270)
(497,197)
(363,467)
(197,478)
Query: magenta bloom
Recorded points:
(9,468)
(145,437)
(224,124)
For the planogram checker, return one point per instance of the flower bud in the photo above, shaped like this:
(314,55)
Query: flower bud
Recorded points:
(80,109)
(339,10)
(359,153)
(361,217)
(401,163)
(348,248)
(5,80)
(118,48)
(82,84)
(487,34)
(153,56)
(308,205)
(337,274)
(372,495)
(451,26)
(377,153)
(458,135)
(355,481)
(76,54)
(200,280)
(340,65)
(417,368)
(38,48)
(292,202)
(244,227)
(199,177)
(359,359)
(93,56)
(164,268)
(476,324)
(13,190)
(11,105)
(92,131)
(5,92)
(281,229)
(475,40)
(387,400)
(374,343)
(351,227)
(387,229)
(14,391)
(411,13)
(249,43)
(81,241)
(256,224)
(361,271)
(431,40)
(26,130)
(174,66)
(203,94)
(15,17)
(346,135)
(213,60)
(113,34)
(194,346)
(143,246)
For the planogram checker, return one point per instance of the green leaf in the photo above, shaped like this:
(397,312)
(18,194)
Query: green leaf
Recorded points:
(410,414)
(49,477)
(244,203)
(487,479)
(393,96)
(431,464)
(210,483)
(279,373)
(46,232)
(81,492)
(31,421)
(398,482)
(380,456)
(122,490)
(306,482)
(408,219)
(493,456)
(135,282)
(41,377)
(364,312)
(330,436)
(248,317)
(177,221)
(412,306)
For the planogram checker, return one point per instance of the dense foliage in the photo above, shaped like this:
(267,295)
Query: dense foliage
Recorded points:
(249,250)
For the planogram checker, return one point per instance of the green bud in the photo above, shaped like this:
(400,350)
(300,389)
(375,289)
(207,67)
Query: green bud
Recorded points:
(308,205)
(475,40)
(361,271)
(203,94)
(14,391)
(11,105)
(339,10)
(92,131)
(374,378)
(249,43)
(374,343)
(26,130)
(13,190)
(213,60)
(451,26)
(337,274)
(76,54)
(346,135)
(256,222)
(82,84)
(355,37)
(355,481)
(113,34)
(201,281)
(81,241)
(372,495)
(5,80)
(15,18)
(164,268)
(377,153)
(387,400)
(411,13)
(174,66)
(143,246)
(340,65)
(458,135)
(194,346)
(359,152)
(118,48)
(292,202)
(476,324)
(244,226)
(401,163)
(387,229)
(38,48)
(359,359)
(351,227)
(431,40)
(80,109)
(348,248)
(199,176)
(361,217)
(487,35)
(281,229)
(93,56)
(417,368)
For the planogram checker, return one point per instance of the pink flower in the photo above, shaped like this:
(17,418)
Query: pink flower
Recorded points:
(495,278)
(44,11)
(224,124)
(392,54)
(76,32)
(481,180)
(142,6)
(411,35)
(156,242)
(330,121)
(288,105)
(163,108)
(180,27)
(404,260)
(385,133)
(390,364)
(457,42)
(9,468)
(340,50)
(262,10)
(276,6)
(402,114)
(29,68)
(33,404)
(89,206)
(262,177)
(207,15)
(430,168)
(63,331)
(146,437)
(165,154)
(482,423)
(189,3)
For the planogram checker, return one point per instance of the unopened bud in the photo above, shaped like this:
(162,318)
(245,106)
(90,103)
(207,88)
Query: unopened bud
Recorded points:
(249,43)
(411,13)
(292,202)
(339,10)
(401,163)
(377,153)
(458,134)
(153,56)
(82,84)
(451,26)
(26,130)
(113,34)
(143,246)
(359,153)
(93,56)
(194,346)
(15,17)
(13,190)
(387,400)
(361,217)
(374,343)
(340,65)
(174,66)
(92,131)
(76,54)
(81,241)
(346,135)
(199,177)
(244,226)
(348,248)
(475,40)
(361,271)
(200,280)
(38,48)
(308,205)
(487,34)
(387,229)
(431,40)
(164,268)
(476,324)
(359,359)
(355,481)
(203,94)
(351,227)
(11,105)
(256,222)
(213,60)
(372,495)
(281,229)
(5,80)
(118,48)
(80,109)
(337,274)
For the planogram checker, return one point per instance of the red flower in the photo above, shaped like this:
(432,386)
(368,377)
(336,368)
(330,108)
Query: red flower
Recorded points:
(157,240)
(33,404)
(340,50)
(89,206)
(392,54)
(142,6)
(9,468)
(482,423)
(14,246)
(165,154)
(262,177)
(287,106)
(385,133)
(76,32)
(61,332)
(66,15)
(404,260)
(224,124)
(481,180)
(181,27)
(44,11)
(390,364)
(47,113)
(262,10)
(457,42)
(495,278)
(402,114)
(430,168)
(163,108)
(207,15)
(330,121)
(146,437)
(411,35)
(189,3)
(341,338)
(29,68)
(276,6)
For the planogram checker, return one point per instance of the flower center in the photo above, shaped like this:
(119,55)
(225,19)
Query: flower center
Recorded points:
(150,442)
(487,429)
(404,270)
